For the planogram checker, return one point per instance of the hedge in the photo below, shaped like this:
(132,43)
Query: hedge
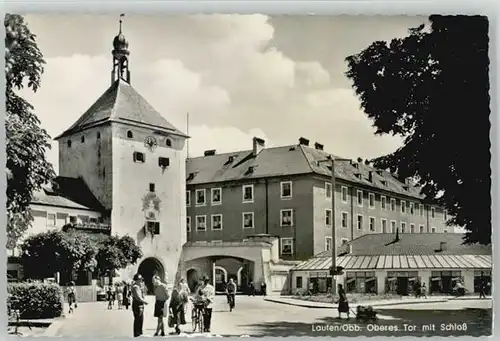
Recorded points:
(37,300)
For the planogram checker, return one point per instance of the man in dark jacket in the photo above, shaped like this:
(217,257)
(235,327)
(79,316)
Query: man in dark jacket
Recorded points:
(231,294)
(138,302)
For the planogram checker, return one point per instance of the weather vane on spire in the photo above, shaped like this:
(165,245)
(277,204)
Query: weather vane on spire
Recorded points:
(121,17)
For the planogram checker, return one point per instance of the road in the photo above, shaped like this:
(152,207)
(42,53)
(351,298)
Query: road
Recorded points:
(255,317)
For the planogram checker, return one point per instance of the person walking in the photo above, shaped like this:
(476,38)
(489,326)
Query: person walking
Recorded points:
(138,302)
(263,288)
(161,297)
(119,295)
(343,303)
(423,291)
(184,287)
(251,289)
(208,296)
(71,296)
(176,306)
(109,296)
(231,294)
(126,295)
(482,287)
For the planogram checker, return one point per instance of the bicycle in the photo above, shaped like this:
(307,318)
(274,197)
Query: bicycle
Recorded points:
(197,316)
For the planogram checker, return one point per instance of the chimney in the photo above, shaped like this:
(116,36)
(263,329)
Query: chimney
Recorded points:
(318,146)
(370,176)
(258,145)
(209,152)
(303,141)
(442,246)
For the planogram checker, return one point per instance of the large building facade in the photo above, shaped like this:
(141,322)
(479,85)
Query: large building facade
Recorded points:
(286,192)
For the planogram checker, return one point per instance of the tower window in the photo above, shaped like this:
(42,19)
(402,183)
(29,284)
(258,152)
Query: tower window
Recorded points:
(139,157)
(163,162)
(169,143)
(130,134)
(83,139)
(151,187)
(69,143)
(98,135)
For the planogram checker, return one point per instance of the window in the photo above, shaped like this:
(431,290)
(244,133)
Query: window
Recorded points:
(163,162)
(403,207)
(151,187)
(286,190)
(188,198)
(51,219)
(403,227)
(360,222)
(421,227)
(445,231)
(328,189)
(168,143)
(344,241)
(433,212)
(344,194)
(188,224)
(286,246)
(216,221)
(139,157)
(359,197)
(247,220)
(383,223)
(412,208)
(361,282)
(344,219)
(153,227)
(328,217)
(247,193)
(216,196)
(298,282)
(421,209)
(433,230)
(412,228)
(201,223)
(393,226)
(98,135)
(383,202)
(83,139)
(130,134)
(200,197)
(69,143)
(371,200)
(393,204)
(286,217)
(328,243)
(372,223)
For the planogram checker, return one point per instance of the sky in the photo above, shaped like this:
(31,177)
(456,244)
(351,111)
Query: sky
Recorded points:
(238,76)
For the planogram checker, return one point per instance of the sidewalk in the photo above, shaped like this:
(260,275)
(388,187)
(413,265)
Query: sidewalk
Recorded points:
(375,303)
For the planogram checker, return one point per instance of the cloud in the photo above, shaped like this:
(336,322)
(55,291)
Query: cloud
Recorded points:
(222,69)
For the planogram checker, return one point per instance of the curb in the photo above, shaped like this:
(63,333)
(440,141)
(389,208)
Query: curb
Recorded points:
(333,307)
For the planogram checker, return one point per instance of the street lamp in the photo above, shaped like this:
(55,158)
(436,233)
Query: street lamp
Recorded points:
(333,270)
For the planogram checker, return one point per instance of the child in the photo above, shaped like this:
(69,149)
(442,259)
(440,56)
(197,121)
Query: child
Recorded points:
(119,295)
(71,296)
(110,297)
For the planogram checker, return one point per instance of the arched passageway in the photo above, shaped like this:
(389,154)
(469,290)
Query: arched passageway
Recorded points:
(148,268)
(193,279)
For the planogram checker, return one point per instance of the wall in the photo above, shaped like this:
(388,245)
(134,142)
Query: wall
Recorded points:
(130,185)
(232,208)
(92,160)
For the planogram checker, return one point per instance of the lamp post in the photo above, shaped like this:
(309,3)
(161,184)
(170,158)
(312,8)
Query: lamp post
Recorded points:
(332,161)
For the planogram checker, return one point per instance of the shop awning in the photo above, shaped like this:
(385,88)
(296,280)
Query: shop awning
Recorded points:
(384,262)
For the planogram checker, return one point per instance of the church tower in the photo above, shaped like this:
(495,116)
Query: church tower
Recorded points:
(134,162)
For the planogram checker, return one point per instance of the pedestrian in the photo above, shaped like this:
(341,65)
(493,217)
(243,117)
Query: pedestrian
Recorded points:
(71,296)
(343,304)
(184,287)
(231,294)
(251,289)
(177,302)
(138,302)
(263,288)
(423,291)
(482,287)
(208,296)
(161,297)
(109,296)
(119,295)
(126,295)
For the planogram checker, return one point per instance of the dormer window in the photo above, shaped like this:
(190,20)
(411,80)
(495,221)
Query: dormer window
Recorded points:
(169,143)
(130,134)
(69,143)
(83,139)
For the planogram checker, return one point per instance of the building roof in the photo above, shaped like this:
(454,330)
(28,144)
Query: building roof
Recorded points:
(67,192)
(287,161)
(416,250)
(122,103)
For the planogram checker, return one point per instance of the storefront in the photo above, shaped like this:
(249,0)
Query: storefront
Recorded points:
(482,277)
(361,282)
(443,282)
(401,282)
(321,282)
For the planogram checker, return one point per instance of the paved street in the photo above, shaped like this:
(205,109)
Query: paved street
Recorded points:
(255,317)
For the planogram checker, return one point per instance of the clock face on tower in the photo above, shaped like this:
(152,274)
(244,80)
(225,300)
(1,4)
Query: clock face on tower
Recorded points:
(150,143)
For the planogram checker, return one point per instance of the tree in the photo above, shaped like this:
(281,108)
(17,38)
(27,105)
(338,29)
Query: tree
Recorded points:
(431,88)
(117,253)
(46,253)
(27,168)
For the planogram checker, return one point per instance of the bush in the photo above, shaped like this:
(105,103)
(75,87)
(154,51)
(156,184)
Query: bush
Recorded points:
(37,300)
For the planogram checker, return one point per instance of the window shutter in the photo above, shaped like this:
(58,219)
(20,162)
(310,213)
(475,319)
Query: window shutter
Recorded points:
(157,228)
(134,156)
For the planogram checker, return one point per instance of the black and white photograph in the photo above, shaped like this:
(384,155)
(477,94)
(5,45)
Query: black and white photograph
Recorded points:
(248,175)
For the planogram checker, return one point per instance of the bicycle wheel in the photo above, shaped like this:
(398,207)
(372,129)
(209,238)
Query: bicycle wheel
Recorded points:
(194,319)
(200,323)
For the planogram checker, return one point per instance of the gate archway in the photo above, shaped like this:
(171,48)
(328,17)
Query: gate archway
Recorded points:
(148,268)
